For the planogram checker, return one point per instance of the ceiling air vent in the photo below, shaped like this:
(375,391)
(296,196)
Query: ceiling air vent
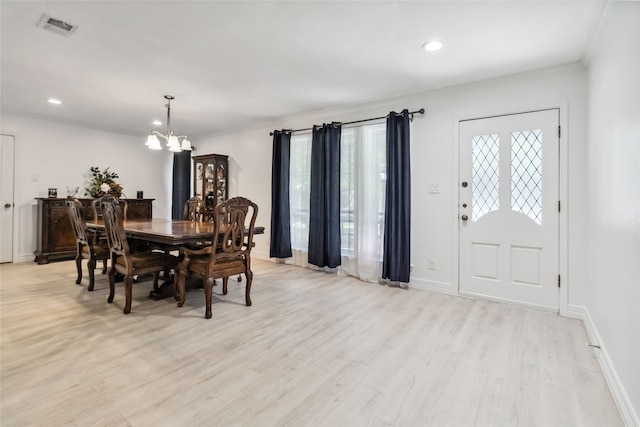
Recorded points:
(55,25)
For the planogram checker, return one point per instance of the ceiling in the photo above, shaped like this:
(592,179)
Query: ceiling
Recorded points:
(243,64)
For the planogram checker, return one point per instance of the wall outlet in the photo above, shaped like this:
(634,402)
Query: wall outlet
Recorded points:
(433,188)
(431,264)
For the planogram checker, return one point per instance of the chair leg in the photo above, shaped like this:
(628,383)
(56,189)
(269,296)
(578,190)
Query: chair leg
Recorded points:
(128,294)
(155,281)
(247,292)
(225,281)
(79,264)
(91,266)
(112,284)
(208,291)
(104,266)
(179,283)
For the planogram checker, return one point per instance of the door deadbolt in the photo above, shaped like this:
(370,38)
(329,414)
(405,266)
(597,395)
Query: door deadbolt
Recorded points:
(464,217)
(464,184)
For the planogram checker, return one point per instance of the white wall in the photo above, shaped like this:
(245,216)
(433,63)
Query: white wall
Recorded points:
(613,209)
(434,159)
(59,156)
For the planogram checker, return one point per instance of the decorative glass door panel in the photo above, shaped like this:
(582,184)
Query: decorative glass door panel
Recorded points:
(526,173)
(486,177)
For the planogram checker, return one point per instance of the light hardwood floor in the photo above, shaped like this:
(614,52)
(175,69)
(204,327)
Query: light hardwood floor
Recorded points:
(313,350)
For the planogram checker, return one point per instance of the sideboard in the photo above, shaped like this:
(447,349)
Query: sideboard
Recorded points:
(55,235)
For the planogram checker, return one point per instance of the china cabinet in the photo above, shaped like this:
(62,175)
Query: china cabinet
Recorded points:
(210,180)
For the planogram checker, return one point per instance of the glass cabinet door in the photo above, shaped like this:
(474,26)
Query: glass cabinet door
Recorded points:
(210,179)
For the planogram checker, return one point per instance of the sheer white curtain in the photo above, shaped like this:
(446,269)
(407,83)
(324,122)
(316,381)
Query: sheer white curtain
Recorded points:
(362,183)
(299,190)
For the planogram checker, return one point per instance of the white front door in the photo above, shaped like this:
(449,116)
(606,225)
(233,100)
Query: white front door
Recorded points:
(508,199)
(6,199)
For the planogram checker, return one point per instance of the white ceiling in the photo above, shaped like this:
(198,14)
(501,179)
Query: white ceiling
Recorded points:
(238,64)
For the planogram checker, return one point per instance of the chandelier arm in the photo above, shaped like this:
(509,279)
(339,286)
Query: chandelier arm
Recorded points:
(161,135)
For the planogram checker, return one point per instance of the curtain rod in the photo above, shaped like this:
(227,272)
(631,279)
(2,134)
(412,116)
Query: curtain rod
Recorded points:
(421,111)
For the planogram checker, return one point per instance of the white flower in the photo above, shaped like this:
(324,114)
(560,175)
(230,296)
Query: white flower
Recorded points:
(104,187)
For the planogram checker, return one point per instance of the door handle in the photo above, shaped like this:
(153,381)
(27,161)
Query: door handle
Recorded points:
(7,205)
(464,217)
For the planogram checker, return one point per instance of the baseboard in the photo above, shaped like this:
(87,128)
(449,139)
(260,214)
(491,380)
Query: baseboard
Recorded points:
(627,412)
(261,255)
(434,286)
(25,257)
(576,312)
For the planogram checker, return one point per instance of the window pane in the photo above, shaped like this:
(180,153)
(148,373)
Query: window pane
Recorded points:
(362,189)
(299,189)
(485,175)
(526,173)
(347,189)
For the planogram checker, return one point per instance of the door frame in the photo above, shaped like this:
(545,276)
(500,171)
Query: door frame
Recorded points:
(563,306)
(14,222)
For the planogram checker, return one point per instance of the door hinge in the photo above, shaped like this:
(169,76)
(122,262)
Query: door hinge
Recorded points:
(559,131)
(558,280)
(558,205)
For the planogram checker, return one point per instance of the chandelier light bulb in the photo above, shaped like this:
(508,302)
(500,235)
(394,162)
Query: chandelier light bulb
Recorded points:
(173,142)
(152,140)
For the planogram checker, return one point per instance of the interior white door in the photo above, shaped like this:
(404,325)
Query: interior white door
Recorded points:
(509,208)
(6,198)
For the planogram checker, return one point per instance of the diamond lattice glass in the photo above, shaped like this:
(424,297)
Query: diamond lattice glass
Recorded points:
(526,173)
(486,175)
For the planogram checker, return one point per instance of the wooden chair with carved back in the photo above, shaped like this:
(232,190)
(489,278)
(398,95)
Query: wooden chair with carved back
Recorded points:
(193,209)
(88,246)
(95,203)
(234,221)
(124,261)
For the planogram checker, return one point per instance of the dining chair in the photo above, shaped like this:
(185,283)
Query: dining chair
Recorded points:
(88,246)
(124,261)
(96,202)
(234,224)
(192,209)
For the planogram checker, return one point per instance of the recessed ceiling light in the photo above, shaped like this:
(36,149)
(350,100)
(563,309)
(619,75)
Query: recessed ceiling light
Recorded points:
(54,101)
(157,123)
(432,46)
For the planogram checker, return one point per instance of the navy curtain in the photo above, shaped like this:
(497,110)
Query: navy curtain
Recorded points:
(396,258)
(181,182)
(324,206)
(280,245)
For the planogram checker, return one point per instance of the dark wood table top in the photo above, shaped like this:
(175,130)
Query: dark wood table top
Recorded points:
(170,232)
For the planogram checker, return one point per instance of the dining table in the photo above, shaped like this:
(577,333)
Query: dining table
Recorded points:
(168,235)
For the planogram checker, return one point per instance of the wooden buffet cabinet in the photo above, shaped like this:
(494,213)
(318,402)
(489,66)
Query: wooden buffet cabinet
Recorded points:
(55,235)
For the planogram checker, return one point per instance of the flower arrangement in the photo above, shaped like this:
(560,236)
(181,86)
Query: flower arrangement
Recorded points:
(102,182)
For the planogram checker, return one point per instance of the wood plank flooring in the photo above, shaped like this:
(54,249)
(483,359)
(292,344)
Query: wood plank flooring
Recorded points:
(313,350)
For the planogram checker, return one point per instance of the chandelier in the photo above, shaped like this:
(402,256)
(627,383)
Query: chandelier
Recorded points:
(173,141)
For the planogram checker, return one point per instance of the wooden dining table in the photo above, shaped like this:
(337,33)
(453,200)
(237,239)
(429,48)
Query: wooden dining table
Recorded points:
(169,234)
